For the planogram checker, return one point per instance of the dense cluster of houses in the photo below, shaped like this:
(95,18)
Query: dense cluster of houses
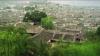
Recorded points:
(69,21)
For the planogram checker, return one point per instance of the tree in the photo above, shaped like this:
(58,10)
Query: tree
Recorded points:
(98,31)
(27,17)
(29,8)
(34,16)
(47,23)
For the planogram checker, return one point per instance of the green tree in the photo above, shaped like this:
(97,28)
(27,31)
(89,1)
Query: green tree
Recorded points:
(34,16)
(28,8)
(27,17)
(47,22)
(98,31)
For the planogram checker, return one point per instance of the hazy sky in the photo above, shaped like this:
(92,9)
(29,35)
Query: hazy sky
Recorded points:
(70,2)
(78,2)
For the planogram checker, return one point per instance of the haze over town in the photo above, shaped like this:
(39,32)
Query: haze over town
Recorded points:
(69,2)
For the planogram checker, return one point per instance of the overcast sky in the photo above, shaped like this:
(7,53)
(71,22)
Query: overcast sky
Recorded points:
(69,2)
(78,2)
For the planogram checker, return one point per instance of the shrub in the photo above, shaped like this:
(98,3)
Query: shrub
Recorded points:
(57,51)
(38,47)
(47,23)
(13,41)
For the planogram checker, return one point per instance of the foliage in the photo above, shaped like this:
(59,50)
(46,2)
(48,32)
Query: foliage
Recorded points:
(98,31)
(13,41)
(28,8)
(38,47)
(90,35)
(34,16)
(47,23)
(76,49)
(57,51)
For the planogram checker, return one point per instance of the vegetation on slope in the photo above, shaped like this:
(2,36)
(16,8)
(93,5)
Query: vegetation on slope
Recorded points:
(47,22)
(13,41)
